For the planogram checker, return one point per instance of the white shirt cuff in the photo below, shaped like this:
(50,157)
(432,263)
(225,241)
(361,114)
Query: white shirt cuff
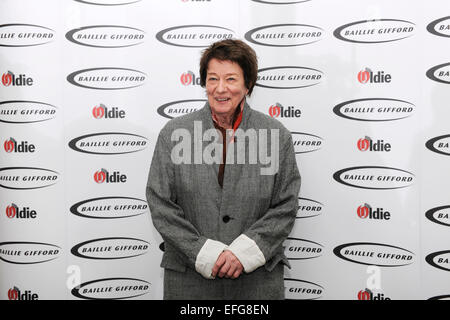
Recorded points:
(207,257)
(248,253)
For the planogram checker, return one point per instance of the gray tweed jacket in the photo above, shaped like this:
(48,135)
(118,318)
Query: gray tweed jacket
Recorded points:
(188,206)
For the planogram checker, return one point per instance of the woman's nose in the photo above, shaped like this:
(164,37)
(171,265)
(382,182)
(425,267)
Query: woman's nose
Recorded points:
(221,86)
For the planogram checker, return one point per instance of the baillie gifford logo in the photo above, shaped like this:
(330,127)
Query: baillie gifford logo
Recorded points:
(277,110)
(367,144)
(12,146)
(189,79)
(368,76)
(13,211)
(369,295)
(10,79)
(103,176)
(366,212)
(16,294)
(102,112)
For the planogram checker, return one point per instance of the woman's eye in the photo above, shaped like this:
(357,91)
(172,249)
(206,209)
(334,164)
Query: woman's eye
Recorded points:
(212,79)
(231,79)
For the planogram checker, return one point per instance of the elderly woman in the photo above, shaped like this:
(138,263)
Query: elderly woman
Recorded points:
(224,221)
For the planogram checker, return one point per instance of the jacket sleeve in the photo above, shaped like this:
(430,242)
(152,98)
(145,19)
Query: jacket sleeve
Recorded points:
(258,244)
(197,251)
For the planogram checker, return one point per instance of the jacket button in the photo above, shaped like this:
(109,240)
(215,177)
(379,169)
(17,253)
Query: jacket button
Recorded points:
(226,219)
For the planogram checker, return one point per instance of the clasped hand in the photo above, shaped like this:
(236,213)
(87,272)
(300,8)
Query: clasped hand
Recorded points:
(227,265)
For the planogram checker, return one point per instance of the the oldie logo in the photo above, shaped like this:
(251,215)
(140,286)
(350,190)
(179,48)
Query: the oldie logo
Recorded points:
(368,76)
(107,78)
(19,295)
(305,142)
(14,212)
(24,35)
(106,36)
(375,31)
(308,208)
(284,35)
(440,73)
(102,112)
(300,249)
(13,146)
(112,288)
(280,1)
(440,27)
(179,108)
(103,176)
(440,260)
(375,109)
(110,248)
(374,177)
(108,2)
(369,295)
(439,144)
(110,208)
(439,215)
(288,77)
(296,289)
(28,252)
(11,79)
(22,112)
(366,211)
(377,254)
(25,178)
(368,144)
(193,36)
(189,79)
(278,110)
(109,143)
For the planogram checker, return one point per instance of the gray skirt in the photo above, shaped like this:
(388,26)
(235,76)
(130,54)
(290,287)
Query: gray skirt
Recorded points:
(257,285)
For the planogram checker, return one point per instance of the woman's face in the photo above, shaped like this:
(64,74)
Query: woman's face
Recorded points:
(225,86)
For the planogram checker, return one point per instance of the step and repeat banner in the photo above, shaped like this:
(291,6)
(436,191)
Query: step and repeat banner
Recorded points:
(86,86)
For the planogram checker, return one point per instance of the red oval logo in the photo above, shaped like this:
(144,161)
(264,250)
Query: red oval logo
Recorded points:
(7,79)
(363,144)
(13,294)
(98,112)
(100,176)
(186,78)
(11,211)
(363,211)
(274,111)
(9,145)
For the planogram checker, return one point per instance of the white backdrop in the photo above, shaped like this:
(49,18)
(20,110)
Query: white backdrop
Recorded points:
(87,85)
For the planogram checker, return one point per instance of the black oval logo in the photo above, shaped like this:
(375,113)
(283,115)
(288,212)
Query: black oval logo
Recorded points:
(280,1)
(24,35)
(377,254)
(110,248)
(106,36)
(440,73)
(109,208)
(374,177)
(22,111)
(112,289)
(107,78)
(439,215)
(306,142)
(369,109)
(308,208)
(440,27)
(26,178)
(288,77)
(108,2)
(193,36)
(178,108)
(28,252)
(439,144)
(284,35)
(375,31)
(109,143)
(440,260)
(296,289)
